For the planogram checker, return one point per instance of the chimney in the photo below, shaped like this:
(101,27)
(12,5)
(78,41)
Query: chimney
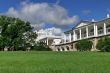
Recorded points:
(108,16)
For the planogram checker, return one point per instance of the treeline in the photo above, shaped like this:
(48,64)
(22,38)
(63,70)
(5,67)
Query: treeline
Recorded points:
(16,34)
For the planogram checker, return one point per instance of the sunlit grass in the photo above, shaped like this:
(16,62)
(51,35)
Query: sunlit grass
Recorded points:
(54,62)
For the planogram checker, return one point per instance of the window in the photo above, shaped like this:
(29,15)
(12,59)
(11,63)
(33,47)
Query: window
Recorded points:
(91,32)
(62,49)
(108,28)
(100,30)
(67,47)
(58,49)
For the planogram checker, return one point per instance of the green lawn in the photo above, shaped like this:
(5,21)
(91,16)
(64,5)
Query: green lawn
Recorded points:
(54,62)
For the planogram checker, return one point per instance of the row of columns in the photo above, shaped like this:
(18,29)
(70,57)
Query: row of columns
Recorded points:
(46,41)
(87,33)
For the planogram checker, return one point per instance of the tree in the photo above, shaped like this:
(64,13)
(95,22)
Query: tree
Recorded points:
(16,34)
(104,44)
(4,42)
(84,45)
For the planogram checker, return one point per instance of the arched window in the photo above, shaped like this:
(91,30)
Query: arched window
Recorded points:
(71,46)
(67,47)
(58,49)
(62,48)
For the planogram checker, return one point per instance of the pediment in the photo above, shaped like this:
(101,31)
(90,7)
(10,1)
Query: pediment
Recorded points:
(82,24)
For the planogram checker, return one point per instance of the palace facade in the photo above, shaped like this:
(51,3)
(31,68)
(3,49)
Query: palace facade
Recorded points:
(91,30)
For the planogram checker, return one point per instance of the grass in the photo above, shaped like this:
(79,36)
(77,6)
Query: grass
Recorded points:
(54,62)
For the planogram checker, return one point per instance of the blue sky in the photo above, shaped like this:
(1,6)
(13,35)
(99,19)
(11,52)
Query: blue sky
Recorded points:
(84,9)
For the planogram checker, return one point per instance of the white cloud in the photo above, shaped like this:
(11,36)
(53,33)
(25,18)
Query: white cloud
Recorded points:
(38,26)
(12,12)
(51,31)
(42,13)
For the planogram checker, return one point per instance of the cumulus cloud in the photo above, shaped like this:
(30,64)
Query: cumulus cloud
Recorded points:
(42,13)
(51,31)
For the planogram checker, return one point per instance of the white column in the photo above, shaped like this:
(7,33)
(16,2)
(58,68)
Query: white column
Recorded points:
(104,28)
(80,32)
(64,38)
(70,37)
(87,31)
(74,37)
(96,31)
(47,41)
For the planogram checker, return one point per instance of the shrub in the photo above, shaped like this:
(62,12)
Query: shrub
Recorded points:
(41,47)
(104,44)
(84,45)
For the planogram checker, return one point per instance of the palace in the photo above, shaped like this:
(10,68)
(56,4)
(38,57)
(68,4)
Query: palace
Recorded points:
(91,30)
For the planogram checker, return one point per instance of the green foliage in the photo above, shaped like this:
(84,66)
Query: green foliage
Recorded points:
(15,34)
(99,44)
(104,44)
(84,45)
(4,42)
(41,47)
